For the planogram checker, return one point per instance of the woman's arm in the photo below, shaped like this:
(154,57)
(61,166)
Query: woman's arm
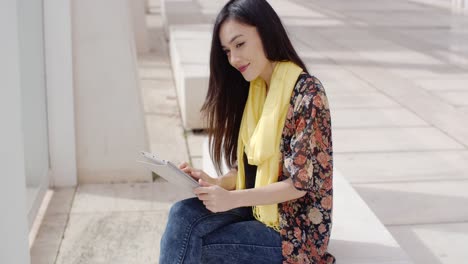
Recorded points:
(227,181)
(277,192)
(217,199)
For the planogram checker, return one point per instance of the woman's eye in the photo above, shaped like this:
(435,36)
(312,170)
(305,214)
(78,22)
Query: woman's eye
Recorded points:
(227,52)
(240,45)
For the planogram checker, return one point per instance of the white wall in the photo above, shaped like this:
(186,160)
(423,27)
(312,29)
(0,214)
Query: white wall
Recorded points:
(34,102)
(14,246)
(138,8)
(110,127)
(60,99)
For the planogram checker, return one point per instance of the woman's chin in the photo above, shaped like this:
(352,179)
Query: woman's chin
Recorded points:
(249,77)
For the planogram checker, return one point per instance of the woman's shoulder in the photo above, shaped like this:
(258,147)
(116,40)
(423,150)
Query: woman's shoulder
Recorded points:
(307,90)
(307,83)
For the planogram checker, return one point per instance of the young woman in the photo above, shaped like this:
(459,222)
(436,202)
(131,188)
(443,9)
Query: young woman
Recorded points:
(270,121)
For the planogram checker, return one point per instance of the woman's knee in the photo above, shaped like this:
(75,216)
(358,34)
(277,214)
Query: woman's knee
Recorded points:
(187,209)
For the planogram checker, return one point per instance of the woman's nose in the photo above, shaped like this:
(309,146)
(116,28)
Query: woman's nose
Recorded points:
(234,58)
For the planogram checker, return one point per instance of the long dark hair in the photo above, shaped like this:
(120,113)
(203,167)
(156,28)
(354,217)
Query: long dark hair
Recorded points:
(227,88)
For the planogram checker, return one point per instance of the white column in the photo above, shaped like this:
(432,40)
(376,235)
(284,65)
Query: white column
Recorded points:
(138,8)
(14,245)
(459,6)
(60,100)
(110,126)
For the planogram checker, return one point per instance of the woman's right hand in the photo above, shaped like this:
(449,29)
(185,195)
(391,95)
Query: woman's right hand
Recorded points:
(197,174)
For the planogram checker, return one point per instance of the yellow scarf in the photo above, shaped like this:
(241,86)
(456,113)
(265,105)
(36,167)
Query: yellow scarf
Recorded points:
(260,133)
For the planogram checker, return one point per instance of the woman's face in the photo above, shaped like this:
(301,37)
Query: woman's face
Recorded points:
(244,49)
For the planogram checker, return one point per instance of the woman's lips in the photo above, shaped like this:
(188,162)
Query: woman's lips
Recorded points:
(243,68)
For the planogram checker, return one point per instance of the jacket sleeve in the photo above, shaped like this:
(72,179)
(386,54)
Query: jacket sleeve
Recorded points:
(310,163)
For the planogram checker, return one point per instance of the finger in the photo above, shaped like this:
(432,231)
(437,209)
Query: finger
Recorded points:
(208,205)
(204,183)
(195,174)
(201,190)
(202,175)
(187,170)
(203,197)
(183,165)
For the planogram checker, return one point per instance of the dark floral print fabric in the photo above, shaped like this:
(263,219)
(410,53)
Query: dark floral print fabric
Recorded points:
(307,158)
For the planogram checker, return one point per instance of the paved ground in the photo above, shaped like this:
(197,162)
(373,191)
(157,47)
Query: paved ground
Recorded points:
(396,73)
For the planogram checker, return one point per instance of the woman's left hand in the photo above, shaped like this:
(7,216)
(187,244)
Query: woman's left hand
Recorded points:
(215,198)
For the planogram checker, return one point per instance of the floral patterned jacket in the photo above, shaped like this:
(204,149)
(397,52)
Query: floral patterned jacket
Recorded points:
(307,159)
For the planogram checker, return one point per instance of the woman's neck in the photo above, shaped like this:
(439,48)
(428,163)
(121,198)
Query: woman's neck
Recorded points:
(267,73)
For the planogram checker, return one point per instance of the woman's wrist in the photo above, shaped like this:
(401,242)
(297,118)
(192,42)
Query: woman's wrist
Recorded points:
(237,199)
(222,182)
(218,181)
(227,181)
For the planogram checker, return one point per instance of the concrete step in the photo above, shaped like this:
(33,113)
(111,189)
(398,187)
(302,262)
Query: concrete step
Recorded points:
(189,47)
(180,12)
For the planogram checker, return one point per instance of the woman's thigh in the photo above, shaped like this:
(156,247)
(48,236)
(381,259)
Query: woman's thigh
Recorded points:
(193,208)
(189,221)
(192,212)
(189,218)
(242,242)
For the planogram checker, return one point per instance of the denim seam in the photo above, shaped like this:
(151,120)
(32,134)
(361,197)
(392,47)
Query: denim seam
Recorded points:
(189,231)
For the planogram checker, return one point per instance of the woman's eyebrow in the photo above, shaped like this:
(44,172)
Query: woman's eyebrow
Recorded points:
(234,38)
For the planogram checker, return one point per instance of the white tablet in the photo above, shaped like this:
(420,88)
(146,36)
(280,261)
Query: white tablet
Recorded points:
(168,170)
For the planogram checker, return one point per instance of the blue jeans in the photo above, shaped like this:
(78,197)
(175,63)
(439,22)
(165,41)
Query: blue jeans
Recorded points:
(195,235)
